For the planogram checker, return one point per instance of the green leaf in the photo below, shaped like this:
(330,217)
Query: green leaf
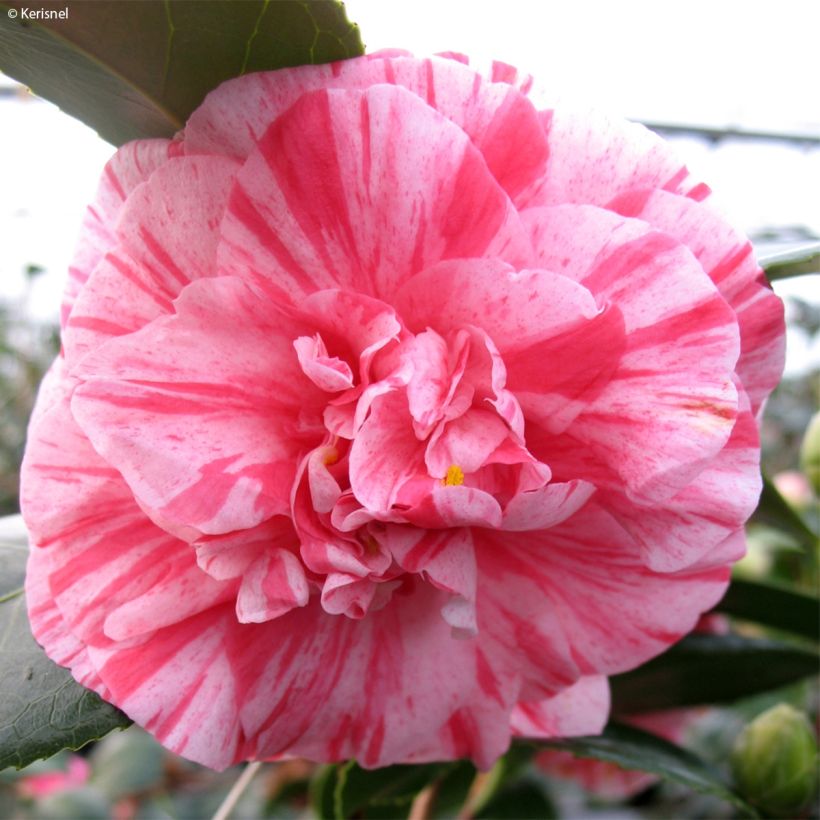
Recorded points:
(132,69)
(704,669)
(631,748)
(774,510)
(504,773)
(797,262)
(773,606)
(520,801)
(42,708)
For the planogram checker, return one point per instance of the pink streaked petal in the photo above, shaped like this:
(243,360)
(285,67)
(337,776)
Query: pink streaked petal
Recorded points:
(273,585)
(581,709)
(436,374)
(546,506)
(394,686)
(728,258)
(184,591)
(228,556)
(166,237)
(130,166)
(385,454)
(361,324)
(590,557)
(50,629)
(348,595)
(447,560)
(688,527)
(201,411)
(364,215)
(497,118)
(467,441)
(594,157)
(674,382)
(515,309)
(328,373)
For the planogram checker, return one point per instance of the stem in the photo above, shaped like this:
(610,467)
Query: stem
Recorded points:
(234,795)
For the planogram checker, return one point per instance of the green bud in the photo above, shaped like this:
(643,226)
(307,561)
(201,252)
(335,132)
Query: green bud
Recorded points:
(775,761)
(810,453)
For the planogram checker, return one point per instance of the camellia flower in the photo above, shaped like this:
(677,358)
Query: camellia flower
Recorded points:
(392,414)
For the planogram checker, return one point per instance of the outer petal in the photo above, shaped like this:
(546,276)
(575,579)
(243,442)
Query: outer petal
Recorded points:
(401,189)
(688,526)
(670,405)
(129,167)
(629,612)
(516,309)
(394,686)
(581,709)
(165,238)
(201,411)
(594,157)
(83,517)
(728,258)
(501,123)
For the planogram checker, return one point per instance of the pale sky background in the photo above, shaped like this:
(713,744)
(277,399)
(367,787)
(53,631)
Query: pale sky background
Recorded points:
(750,65)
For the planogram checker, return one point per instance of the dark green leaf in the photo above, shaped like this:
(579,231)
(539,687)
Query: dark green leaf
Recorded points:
(452,789)
(777,607)
(42,708)
(797,262)
(393,788)
(631,748)
(138,68)
(321,789)
(519,801)
(705,669)
(504,773)
(774,510)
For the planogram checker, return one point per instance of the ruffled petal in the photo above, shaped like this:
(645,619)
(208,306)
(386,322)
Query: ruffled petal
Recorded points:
(165,238)
(581,709)
(630,613)
(671,404)
(202,412)
(593,157)
(728,259)
(130,166)
(501,123)
(402,188)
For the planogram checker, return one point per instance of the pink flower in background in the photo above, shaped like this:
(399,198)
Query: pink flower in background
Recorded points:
(45,784)
(392,415)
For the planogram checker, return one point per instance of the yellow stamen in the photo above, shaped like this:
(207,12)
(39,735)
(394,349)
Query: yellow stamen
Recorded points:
(331,456)
(454,477)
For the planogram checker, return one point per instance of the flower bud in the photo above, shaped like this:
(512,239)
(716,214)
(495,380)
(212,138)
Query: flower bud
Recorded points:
(810,453)
(775,761)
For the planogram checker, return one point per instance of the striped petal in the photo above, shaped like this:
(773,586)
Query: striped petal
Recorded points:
(130,166)
(593,157)
(629,614)
(201,411)
(728,259)
(500,122)
(670,404)
(402,189)
(165,238)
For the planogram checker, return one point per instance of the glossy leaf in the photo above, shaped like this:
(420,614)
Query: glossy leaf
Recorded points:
(346,789)
(797,262)
(774,510)
(133,69)
(42,708)
(520,801)
(704,669)
(773,606)
(632,748)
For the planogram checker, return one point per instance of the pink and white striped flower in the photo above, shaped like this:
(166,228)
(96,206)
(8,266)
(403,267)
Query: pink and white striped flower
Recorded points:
(392,414)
